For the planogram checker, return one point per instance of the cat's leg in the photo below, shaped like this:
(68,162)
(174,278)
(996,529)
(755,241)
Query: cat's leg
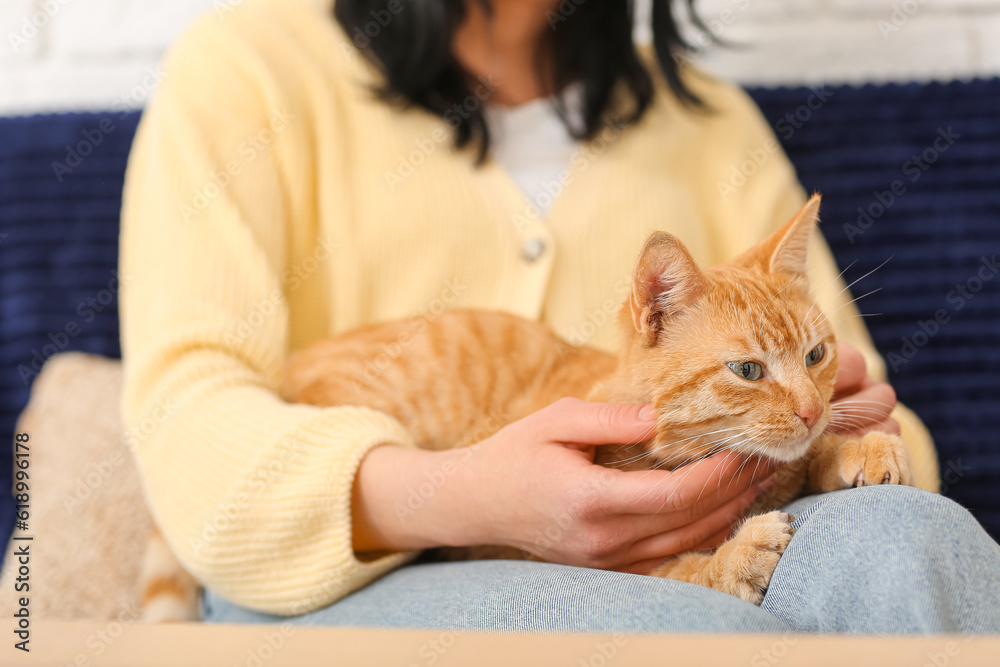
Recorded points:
(167,591)
(743,564)
(841,462)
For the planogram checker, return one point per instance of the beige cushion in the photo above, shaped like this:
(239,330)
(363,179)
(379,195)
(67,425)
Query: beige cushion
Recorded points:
(84,563)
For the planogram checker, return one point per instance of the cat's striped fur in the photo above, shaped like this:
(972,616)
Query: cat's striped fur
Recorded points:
(681,326)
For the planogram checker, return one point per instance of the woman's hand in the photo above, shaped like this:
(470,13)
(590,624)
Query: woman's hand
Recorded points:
(859,403)
(533,485)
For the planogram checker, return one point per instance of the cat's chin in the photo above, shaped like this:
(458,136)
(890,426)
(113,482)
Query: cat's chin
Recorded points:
(784,453)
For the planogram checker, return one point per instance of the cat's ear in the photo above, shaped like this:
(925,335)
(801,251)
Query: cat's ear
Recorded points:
(665,281)
(785,250)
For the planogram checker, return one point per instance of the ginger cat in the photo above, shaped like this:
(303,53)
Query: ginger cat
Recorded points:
(734,356)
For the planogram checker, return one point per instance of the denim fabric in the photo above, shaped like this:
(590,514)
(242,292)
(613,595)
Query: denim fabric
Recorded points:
(875,560)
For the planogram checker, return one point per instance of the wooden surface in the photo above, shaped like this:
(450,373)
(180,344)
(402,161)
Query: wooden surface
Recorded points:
(135,645)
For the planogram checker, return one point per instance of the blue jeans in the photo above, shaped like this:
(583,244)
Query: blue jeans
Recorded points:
(875,560)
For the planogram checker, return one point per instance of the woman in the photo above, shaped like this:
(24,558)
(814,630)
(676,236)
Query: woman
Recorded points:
(515,158)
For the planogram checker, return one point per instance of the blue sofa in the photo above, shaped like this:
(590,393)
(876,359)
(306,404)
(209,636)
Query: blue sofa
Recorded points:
(910,172)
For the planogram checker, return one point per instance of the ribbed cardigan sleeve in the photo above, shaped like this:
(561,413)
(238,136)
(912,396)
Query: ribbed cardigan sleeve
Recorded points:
(252,493)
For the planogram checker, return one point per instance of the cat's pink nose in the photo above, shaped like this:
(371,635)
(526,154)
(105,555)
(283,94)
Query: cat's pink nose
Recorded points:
(809,414)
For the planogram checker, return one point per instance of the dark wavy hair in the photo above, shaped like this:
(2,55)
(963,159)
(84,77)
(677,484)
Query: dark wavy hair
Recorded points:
(590,43)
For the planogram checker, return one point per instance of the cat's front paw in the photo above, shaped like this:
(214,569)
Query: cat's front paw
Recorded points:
(875,458)
(747,559)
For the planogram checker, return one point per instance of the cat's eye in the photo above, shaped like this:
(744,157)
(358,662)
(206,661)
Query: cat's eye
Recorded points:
(816,355)
(748,370)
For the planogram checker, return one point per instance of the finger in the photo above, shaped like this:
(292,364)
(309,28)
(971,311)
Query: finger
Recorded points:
(694,534)
(640,526)
(571,420)
(642,567)
(711,544)
(710,482)
(890,425)
(851,371)
(864,409)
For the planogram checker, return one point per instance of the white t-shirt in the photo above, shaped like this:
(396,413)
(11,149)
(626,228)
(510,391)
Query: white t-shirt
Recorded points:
(531,142)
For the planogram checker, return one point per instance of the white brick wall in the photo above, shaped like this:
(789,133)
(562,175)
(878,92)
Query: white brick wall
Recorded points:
(99,54)
(87,54)
(835,41)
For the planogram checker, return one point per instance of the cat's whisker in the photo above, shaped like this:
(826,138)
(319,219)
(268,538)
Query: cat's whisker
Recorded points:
(645,436)
(678,476)
(814,304)
(851,423)
(860,416)
(839,275)
(831,280)
(858,298)
(830,316)
(858,401)
(864,415)
(678,463)
(758,450)
(675,480)
(859,315)
(852,284)
(754,452)
(858,409)
(716,447)
(692,460)
(661,447)
(712,445)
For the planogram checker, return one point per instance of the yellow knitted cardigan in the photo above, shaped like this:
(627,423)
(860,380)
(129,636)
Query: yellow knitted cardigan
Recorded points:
(271,200)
